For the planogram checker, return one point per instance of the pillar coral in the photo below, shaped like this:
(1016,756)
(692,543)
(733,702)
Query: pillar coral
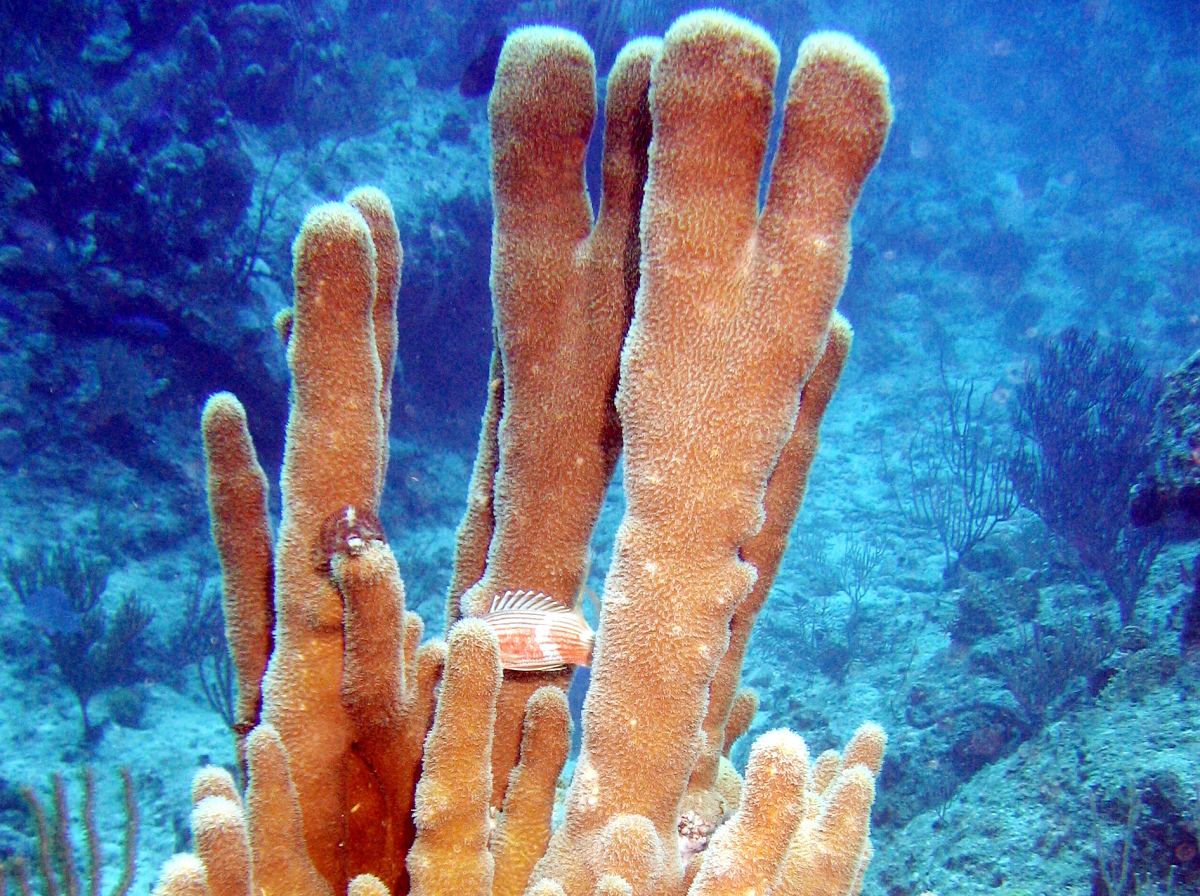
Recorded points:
(237,502)
(346,691)
(684,325)
(731,318)
(562,290)
(714,789)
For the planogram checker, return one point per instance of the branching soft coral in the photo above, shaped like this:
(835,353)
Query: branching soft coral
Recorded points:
(60,589)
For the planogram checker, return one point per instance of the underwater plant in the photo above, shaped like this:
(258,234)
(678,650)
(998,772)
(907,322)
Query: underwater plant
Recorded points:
(1085,413)
(200,632)
(60,587)
(56,864)
(958,477)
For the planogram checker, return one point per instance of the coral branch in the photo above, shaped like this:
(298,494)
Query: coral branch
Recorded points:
(524,828)
(747,854)
(237,507)
(450,854)
(751,299)
(563,293)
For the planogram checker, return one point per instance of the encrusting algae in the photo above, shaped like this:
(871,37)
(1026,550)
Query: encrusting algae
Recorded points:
(682,326)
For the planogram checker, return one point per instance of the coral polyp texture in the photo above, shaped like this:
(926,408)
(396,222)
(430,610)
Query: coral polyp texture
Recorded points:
(683,325)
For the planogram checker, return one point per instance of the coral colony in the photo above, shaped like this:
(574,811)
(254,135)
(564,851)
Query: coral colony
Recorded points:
(683,327)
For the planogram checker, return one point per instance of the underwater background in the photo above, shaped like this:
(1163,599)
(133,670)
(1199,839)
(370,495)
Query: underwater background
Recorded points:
(997,557)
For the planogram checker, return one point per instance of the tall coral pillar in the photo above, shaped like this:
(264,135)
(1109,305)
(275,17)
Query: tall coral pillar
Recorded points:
(730,320)
(237,502)
(562,289)
(332,460)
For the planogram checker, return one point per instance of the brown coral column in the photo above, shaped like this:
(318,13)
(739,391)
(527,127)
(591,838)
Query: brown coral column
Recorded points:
(376,209)
(237,508)
(730,320)
(764,549)
(332,460)
(562,292)
(474,533)
(747,854)
(451,854)
(388,685)
(219,829)
(274,826)
(524,829)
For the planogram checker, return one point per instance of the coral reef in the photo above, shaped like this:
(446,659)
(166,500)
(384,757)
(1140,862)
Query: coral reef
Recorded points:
(1171,484)
(1042,176)
(360,780)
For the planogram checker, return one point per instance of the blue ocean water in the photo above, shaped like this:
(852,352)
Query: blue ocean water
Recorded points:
(997,558)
